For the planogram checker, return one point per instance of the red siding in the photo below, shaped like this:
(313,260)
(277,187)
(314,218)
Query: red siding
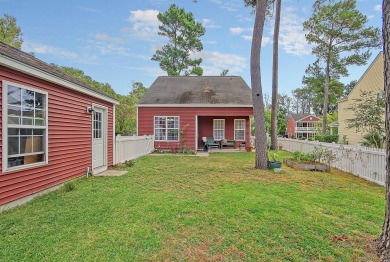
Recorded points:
(69,137)
(188,116)
(290,127)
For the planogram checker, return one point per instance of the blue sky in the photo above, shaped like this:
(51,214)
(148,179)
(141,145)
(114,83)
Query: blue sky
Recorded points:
(113,41)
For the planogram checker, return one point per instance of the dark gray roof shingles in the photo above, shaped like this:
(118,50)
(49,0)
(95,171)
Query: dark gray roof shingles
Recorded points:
(30,60)
(226,90)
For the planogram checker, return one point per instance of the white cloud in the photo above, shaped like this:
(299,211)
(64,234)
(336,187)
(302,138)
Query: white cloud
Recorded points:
(292,37)
(266,40)
(230,6)
(108,38)
(144,24)
(239,30)
(210,42)
(39,48)
(109,48)
(149,71)
(214,62)
(242,18)
(378,8)
(209,23)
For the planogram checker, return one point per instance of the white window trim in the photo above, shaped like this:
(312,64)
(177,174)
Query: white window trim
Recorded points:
(166,128)
(5,167)
(235,120)
(223,137)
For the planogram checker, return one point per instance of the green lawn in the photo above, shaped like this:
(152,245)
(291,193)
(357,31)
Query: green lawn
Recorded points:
(199,208)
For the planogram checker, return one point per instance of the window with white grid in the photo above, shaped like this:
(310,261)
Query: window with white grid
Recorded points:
(166,128)
(25,126)
(239,129)
(219,129)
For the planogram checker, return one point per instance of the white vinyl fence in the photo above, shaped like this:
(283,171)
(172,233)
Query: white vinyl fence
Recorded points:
(132,147)
(368,163)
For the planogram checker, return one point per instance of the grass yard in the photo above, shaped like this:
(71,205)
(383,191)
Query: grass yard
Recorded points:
(215,208)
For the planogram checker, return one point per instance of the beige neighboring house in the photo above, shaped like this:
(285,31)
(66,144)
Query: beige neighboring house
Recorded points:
(371,80)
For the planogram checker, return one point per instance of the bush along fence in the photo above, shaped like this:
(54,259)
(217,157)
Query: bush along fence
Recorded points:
(365,162)
(132,147)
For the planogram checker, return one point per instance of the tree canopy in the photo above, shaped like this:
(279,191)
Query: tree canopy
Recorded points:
(183,34)
(10,33)
(368,112)
(125,113)
(341,38)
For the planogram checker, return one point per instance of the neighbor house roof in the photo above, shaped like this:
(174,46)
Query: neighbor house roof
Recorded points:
(16,59)
(198,91)
(298,117)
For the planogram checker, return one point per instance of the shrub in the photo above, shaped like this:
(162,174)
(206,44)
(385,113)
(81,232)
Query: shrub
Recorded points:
(69,186)
(373,140)
(300,157)
(327,138)
(129,163)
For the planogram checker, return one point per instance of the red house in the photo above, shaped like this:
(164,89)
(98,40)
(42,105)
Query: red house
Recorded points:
(182,111)
(302,125)
(53,127)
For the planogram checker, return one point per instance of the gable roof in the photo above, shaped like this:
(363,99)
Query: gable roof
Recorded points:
(198,91)
(16,59)
(298,117)
(376,60)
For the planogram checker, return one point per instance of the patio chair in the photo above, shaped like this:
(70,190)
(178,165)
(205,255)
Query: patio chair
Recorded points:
(210,143)
(228,143)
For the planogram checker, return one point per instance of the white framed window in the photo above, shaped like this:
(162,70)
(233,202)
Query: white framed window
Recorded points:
(25,126)
(97,125)
(166,128)
(219,129)
(239,129)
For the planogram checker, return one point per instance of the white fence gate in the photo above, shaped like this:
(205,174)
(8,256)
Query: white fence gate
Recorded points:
(132,147)
(368,163)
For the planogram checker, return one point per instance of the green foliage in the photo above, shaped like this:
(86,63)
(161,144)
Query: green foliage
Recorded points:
(319,154)
(300,157)
(341,38)
(326,138)
(312,92)
(81,76)
(368,110)
(282,122)
(225,72)
(183,33)
(125,112)
(349,87)
(337,27)
(373,140)
(69,186)
(172,208)
(10,33)
(129,163)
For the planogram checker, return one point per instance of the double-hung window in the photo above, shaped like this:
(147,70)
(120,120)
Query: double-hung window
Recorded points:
(166,128)
(219,129)
(239,129)
(24,126)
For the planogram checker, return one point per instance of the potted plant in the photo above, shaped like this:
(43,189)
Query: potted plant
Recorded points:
(272,164)
(249,148)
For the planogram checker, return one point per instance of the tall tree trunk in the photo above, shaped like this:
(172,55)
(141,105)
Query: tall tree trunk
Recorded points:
(326,96)
(274,110)
(383,242)
(257,93)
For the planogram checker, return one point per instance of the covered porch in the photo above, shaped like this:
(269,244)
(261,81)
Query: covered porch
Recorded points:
(229,132)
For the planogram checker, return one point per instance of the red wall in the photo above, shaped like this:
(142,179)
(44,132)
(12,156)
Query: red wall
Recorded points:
(290,127)
(187,116)
(69,137)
